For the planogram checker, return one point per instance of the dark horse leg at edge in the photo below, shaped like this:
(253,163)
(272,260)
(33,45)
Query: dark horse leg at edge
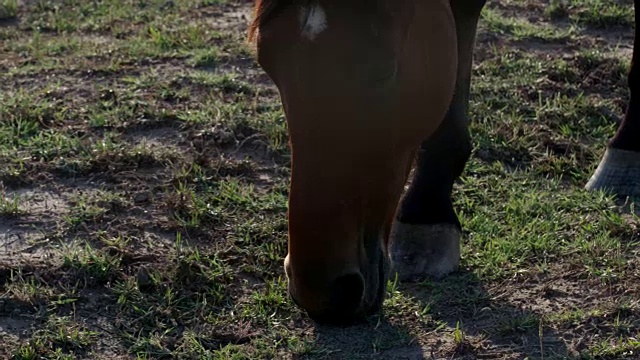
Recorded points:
(425,239)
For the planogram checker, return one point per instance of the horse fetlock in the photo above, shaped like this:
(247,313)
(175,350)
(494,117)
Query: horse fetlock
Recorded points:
(418,251)
(618,172)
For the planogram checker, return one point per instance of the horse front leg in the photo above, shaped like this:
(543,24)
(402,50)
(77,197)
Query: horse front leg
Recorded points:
(619,169)
(425,236)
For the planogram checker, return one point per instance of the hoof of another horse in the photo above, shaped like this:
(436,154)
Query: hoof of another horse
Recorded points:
(424,250)
(618,172)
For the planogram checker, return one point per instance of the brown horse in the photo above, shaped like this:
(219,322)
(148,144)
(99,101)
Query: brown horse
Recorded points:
(371,79)
(366,85)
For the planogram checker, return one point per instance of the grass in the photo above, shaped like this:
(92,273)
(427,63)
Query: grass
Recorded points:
(10,205)
(144,173)
(8,9)
(593,13)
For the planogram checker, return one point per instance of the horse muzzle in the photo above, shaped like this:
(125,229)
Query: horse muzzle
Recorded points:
(350,297)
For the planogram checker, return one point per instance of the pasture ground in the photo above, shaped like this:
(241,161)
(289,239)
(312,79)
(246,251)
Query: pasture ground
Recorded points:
(143,184)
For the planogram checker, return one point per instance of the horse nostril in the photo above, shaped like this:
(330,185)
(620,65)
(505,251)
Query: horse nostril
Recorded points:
(347,293)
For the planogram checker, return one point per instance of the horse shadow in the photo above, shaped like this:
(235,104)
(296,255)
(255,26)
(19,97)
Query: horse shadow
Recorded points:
(487,326)
(503,323)
(379,338)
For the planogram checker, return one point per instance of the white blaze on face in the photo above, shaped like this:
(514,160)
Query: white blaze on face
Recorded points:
(313,21)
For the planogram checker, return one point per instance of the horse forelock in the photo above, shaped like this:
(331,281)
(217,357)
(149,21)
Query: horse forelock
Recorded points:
(264,10)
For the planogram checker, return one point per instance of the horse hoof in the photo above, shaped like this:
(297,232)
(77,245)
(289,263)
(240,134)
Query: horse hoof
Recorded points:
(618,172)
(424,250)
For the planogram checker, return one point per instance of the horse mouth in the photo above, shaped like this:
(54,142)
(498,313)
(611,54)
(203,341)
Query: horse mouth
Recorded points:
(353,295)
(383,268)
(377,268)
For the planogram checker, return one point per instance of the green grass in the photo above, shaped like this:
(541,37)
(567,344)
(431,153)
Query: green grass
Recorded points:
(8,9)
(60,338)
(9,205)
(593,13)
(520,29)
(144,177)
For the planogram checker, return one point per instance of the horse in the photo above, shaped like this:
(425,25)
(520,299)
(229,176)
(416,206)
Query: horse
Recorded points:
(370,89)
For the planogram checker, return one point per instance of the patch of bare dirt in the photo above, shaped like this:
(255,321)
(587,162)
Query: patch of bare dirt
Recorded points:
(23,238)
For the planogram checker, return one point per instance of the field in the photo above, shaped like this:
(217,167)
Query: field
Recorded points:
(143,186)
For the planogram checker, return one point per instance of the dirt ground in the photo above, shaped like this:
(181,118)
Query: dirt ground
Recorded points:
(143,185)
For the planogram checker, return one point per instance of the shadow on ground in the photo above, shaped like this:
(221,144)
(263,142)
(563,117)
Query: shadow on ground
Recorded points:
(379,339)
(491,326)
